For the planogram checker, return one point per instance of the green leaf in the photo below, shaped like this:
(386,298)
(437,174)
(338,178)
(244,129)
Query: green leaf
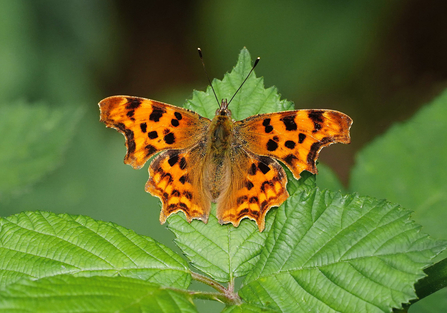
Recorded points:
(222,252)
(332,253)
(226,252)
(65,293)
(44,244)
(408,165)
(37,137)
(252,99)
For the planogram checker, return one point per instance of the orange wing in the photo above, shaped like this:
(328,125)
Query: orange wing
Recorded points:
(256,183)
(175,176)
(294,137)
(150,126)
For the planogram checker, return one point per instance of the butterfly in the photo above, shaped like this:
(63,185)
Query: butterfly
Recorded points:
(231,163)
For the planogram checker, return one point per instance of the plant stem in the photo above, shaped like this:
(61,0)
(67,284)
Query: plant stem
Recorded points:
(208,281)
(224,295)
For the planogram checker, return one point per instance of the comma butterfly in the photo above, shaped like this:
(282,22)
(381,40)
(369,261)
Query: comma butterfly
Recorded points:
(231,163)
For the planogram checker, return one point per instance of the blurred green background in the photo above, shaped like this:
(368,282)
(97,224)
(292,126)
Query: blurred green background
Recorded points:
(377,61)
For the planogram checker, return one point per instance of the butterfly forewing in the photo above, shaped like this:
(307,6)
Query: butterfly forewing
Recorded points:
(294,137)
(150,126)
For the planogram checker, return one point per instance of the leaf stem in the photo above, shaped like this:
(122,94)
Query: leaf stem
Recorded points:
(215,296)
(208,281)
(224,295)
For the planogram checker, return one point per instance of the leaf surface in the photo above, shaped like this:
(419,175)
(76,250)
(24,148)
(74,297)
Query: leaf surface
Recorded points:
(328,252)
(41,244)
(65,293)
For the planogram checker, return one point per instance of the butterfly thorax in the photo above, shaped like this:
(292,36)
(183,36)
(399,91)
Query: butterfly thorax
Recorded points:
(219,139)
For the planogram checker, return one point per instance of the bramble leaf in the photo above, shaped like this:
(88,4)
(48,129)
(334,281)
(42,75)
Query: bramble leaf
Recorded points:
(65,293)
(252,99)
(328,252)
(41,244)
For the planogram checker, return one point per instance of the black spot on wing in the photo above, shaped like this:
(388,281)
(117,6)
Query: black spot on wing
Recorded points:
(169,138)
(143,127)
(272,145)
(131,114)
(316,116)
(183,163)
(249,185)
(290,144)
(175,193)
(253,169)
(173,160)
(263,168)
(152,135)
(184,179)
(156,114)
(289,122)
(301,137)
(267,127)
(133,103)
(178,115)
(175,122)
(317,127)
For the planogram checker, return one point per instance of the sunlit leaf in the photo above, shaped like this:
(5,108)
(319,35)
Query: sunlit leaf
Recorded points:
(42,244)
(332,253)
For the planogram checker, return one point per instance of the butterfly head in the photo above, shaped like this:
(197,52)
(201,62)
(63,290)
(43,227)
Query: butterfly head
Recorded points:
(223,110)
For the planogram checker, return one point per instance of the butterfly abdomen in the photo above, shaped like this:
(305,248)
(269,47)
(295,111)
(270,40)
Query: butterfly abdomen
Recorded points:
(219,139)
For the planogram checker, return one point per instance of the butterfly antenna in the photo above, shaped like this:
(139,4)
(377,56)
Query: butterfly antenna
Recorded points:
(206,73)
(254,65)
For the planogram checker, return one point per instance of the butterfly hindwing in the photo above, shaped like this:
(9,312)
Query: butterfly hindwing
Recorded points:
(294,137)
(257,184)
(175,176)
(151,126)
